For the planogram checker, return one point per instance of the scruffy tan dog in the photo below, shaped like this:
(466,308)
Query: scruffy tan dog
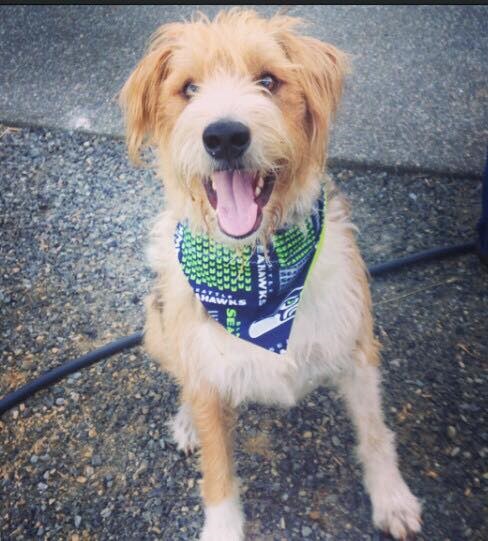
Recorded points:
(238,110)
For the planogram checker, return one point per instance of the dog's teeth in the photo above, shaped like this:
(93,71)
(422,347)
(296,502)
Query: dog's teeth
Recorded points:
(260,182)
(257,191)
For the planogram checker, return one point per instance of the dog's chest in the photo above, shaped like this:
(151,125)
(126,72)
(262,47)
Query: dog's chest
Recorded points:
(322,338)
(320,344)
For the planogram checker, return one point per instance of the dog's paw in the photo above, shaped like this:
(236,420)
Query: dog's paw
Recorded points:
(224,522)
(183,431)
(397,511)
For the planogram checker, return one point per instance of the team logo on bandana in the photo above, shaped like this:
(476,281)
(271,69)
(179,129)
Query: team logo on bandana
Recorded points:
(253,293)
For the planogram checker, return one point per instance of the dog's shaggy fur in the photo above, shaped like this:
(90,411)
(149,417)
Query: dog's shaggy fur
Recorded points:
(195,74)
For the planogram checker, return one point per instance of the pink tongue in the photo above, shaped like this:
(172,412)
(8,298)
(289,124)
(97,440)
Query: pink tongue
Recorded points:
(236,209)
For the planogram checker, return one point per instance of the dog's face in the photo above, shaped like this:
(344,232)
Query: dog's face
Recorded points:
(238,110)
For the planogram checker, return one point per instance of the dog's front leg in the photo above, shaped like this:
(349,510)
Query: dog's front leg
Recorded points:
(214,422)
(395,508)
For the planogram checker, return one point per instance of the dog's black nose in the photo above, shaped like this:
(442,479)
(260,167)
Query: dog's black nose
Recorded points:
(226,140)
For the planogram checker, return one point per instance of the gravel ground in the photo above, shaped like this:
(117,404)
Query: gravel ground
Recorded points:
(91,457)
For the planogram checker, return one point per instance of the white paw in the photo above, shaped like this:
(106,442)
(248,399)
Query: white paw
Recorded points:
(184,433)
(224,522)
(396,510)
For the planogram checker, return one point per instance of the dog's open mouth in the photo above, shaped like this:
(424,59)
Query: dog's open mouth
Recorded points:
(238,196)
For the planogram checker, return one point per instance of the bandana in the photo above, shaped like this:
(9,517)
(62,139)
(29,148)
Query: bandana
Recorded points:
(253,293)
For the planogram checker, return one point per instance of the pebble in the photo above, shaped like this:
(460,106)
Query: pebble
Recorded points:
(455,451)
(41,487)
(34,459)
(451,432)
(162,443)
(77,521)
(96,460)
(106,512)
(336,441)
(59,401)
(306,531)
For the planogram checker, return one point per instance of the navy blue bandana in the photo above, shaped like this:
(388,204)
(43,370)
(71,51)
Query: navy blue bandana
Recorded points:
(253,294)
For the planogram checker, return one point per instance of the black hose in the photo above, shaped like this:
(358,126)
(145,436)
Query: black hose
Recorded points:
(426,255)
(67,368)
(48,378)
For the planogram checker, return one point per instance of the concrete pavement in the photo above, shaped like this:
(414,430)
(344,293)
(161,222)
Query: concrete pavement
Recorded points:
(417,97)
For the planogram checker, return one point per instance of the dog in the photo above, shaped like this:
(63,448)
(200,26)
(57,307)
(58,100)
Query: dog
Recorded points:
(261,293)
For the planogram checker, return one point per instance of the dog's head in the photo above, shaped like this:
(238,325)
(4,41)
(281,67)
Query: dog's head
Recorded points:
(238,111)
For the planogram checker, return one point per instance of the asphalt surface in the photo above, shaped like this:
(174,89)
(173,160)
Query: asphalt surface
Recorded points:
(417,98)
(91,458)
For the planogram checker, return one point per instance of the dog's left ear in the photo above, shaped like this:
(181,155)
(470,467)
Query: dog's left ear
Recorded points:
(140,95)
(321,69)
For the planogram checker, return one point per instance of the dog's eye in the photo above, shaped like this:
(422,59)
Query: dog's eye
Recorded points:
(190,89)
(268,81)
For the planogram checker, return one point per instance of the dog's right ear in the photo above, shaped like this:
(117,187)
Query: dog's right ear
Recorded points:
(140,95)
